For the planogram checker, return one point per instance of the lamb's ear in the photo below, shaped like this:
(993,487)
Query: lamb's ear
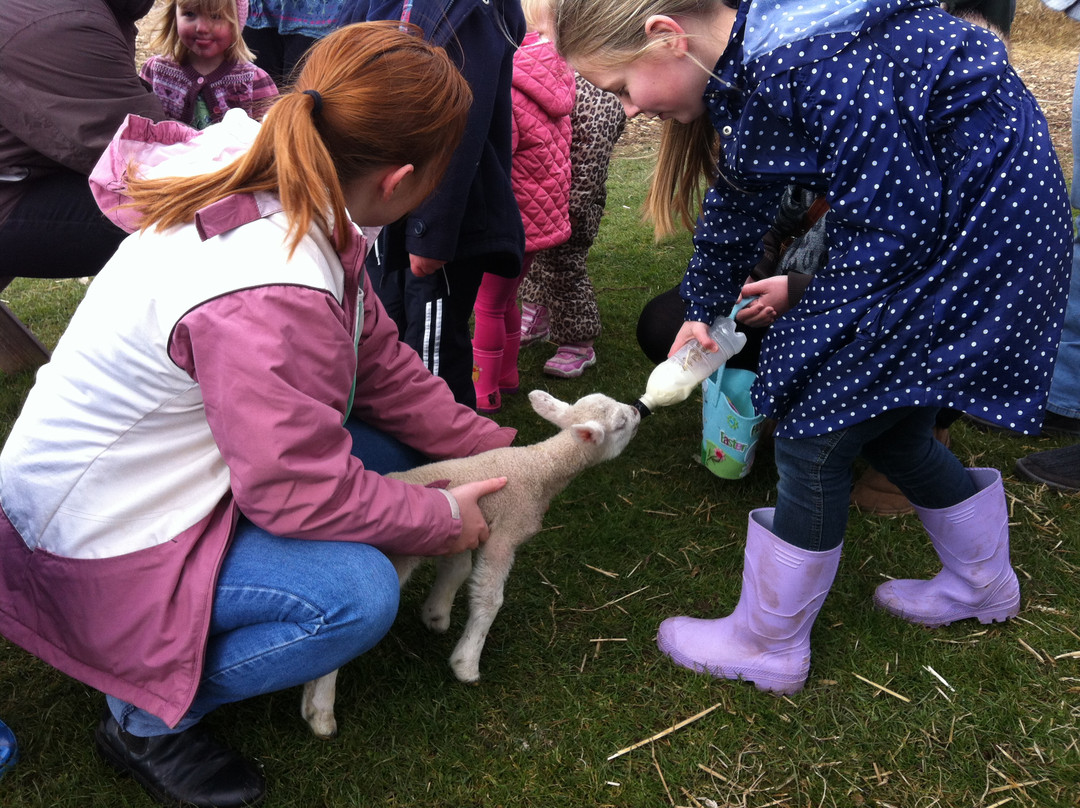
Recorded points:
(549,407)
(591,432)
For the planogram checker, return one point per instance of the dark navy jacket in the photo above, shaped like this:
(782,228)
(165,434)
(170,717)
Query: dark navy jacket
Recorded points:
(473,211)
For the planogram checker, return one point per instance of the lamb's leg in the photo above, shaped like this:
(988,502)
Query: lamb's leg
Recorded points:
(404,565)
(450,573)
(493,563)
(317,705)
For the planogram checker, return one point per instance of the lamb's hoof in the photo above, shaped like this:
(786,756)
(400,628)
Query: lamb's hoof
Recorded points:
(322,726)
(469,674)
(437,622)
(325,732)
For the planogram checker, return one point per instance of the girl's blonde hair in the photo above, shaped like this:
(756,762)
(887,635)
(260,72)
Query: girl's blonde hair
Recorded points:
(611,33)
(370,95)
(166,40)
(536,10)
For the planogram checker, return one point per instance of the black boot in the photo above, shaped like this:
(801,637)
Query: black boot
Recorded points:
(187,768)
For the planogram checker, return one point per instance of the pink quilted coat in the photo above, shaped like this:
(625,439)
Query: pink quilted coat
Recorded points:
(543,95)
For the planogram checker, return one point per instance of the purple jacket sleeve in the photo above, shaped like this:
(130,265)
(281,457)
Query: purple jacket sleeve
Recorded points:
(263,92)
(274,401)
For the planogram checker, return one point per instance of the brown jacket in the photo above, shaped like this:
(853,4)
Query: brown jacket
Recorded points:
(67,81)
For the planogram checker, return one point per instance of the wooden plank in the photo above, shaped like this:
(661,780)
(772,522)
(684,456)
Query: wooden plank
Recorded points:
(19,348)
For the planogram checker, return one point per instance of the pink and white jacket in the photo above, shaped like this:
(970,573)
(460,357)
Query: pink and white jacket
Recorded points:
(543,94)
(205,374)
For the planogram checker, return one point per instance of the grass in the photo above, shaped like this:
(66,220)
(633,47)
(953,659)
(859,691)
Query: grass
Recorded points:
(571,674)
(967,715)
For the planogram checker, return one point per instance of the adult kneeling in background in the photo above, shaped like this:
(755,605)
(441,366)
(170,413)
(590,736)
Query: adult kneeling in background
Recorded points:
(69,81)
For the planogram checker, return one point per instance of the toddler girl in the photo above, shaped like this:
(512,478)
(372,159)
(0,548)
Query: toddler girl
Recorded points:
(203,68)
(543,96)
(558,301)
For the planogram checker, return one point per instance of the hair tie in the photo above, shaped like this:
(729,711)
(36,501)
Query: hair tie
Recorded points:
(316,108)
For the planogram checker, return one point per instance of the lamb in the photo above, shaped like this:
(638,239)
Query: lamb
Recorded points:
(594,429)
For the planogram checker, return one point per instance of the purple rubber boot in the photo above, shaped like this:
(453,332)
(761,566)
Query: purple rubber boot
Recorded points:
(766,640)
(976,579)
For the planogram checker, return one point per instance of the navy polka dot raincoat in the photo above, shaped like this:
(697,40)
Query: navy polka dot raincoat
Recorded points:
(949,231)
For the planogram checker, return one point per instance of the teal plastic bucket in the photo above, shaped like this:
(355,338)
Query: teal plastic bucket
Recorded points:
(730,427)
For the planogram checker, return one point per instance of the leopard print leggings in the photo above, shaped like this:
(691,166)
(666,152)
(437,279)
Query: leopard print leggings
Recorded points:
(559,277)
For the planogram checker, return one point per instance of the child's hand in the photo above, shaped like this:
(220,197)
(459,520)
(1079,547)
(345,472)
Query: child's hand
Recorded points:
(694,330)
(474,528)
(422,267)
(772,301)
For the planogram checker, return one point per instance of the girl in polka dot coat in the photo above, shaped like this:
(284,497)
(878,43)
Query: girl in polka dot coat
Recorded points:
(948,252)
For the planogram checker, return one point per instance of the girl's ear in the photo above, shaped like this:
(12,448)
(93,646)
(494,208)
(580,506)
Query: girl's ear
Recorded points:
(393,177)
(666,30)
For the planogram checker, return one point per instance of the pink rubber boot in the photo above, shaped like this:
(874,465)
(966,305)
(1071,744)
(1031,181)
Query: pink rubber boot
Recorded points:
(976,579)
(509,379)
(487,366)
(766,640)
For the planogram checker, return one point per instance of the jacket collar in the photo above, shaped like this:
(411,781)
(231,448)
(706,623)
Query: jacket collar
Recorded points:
(777,28)
(234,211)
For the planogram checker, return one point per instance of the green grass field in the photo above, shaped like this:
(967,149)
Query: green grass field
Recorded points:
(892,715)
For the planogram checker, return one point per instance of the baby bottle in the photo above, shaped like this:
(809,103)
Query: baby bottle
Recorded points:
(673,379)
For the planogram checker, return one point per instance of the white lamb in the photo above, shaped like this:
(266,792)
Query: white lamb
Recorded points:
(594,429)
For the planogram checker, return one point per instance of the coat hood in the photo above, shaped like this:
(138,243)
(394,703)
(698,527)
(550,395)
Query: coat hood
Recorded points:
(541,74)
(775,26)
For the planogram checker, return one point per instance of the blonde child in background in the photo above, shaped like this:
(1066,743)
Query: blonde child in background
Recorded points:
(202,68)
(543,96)
(558,302)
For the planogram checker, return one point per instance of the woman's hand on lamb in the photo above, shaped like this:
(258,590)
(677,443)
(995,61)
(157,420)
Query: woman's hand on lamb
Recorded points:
(474,528)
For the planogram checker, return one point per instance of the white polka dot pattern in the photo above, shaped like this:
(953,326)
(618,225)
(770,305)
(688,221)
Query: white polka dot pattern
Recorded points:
(949,230)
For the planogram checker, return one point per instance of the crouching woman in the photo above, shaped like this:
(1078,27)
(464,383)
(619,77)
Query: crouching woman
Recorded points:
(194,510)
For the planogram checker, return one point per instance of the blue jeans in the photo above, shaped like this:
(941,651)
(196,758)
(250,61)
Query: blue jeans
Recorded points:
(814,491)
(288,611)
(1065,385)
